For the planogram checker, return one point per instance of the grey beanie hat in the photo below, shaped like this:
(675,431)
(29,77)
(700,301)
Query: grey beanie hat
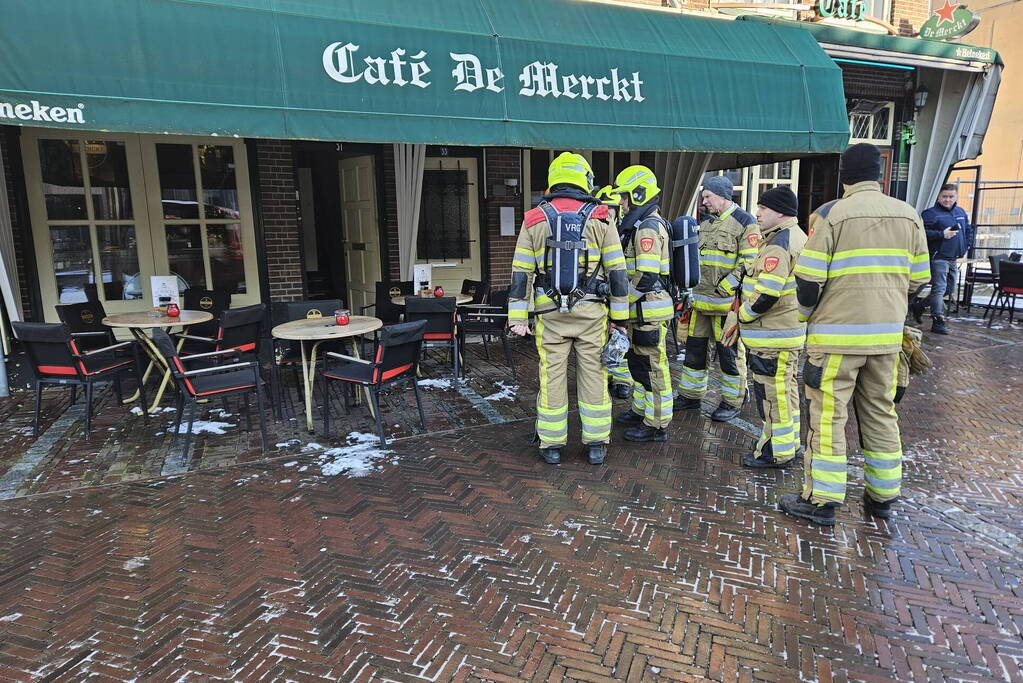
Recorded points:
(719,185)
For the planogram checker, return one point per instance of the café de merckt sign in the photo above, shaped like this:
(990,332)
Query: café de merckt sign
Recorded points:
(950,21)
(401,68)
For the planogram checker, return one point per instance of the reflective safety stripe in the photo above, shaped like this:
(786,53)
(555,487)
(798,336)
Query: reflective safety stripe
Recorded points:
(812,263)
(596,421)
(695,380)
(717,259)
(702,302)
(526,258)
(828,470)
(882,473)
(920,266)
(729,283)
(729,387)
(773,339)
(518,310)
(747,314)
(648,264)
(748,285)
(620,373)
(770,285)
(657,309)
(619,310)
(850,334)
(803,313)
(634,294)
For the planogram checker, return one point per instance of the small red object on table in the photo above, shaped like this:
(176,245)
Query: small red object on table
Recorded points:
(439,291)
(341,317)
(172,310)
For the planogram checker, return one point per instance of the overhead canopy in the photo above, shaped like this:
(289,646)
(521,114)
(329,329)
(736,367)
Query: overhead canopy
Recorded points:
(534,73)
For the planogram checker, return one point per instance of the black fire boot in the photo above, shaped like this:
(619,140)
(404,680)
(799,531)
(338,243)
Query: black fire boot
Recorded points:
(917,309)
(765,461)
(621,391)
(645,433)
(629,418)
(551,456)
(882,510)
(792,504)
(724,412)
(939,326)
(684,403)
(596,452)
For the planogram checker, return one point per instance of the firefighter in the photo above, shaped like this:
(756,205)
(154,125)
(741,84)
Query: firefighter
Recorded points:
(769,326)
(853,279)
(620,381)
(728,245)
(569,257)
(647,247)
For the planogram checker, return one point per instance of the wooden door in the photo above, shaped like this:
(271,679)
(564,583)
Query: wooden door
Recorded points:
(449,221)
(360,230)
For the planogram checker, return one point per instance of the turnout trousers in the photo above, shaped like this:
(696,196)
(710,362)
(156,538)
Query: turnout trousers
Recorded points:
(620,374)
(584,330)
(833,381)
(651,378)
(702,329)
(777,394)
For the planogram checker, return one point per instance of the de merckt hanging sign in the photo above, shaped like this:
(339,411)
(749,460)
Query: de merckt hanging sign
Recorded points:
(343,62)
(950,21)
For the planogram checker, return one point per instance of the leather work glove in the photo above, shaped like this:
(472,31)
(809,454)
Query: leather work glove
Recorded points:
(730,330)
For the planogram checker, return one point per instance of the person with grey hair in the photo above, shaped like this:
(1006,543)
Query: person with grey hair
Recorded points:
(729,239)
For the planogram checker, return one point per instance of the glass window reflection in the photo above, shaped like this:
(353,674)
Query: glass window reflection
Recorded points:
(63,184)
(219,188)
(177,181)
(108,180)
(227,262)
(72,262)
(184,254)
(119,262)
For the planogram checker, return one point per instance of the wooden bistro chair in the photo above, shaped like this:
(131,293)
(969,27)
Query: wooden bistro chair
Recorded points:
(56,358)
(395,359)
(488,321)
(439,314)
(211,381)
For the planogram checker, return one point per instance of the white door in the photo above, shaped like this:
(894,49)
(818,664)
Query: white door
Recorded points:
(449,221)
(360,230)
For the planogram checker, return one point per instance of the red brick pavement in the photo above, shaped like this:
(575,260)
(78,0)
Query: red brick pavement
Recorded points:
(462,557)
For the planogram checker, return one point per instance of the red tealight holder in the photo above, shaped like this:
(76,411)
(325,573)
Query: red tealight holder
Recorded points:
(172,310)
(341,317)
(439,291)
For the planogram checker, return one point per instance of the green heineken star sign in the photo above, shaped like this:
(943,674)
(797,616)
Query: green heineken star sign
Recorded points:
(951,21)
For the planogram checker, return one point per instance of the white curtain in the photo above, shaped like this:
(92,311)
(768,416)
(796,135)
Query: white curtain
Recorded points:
(8,265)
(409,161)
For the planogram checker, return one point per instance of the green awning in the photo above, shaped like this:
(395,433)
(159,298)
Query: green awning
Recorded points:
(836,35)
(533,73)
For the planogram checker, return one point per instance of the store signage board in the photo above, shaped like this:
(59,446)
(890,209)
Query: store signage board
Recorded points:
(949,21)
(854,10)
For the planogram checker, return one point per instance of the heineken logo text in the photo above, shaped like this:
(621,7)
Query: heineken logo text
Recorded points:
(469,74)
(36,111)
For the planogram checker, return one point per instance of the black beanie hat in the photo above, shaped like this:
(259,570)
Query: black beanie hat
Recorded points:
(781,199)
(859,163)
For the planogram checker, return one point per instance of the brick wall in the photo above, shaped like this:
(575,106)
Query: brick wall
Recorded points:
(907,15)
(502,163)
(282,240)
(11,174)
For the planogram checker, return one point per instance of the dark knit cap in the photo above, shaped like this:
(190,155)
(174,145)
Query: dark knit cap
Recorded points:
(781,199)
(859,163)
(719,185)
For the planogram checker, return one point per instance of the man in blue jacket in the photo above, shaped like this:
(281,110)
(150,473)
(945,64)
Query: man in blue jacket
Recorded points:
(949,236)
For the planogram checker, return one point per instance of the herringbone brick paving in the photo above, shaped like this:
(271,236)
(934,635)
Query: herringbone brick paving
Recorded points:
(462,557)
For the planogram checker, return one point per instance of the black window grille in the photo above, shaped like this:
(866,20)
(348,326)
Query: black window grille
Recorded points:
(444,215)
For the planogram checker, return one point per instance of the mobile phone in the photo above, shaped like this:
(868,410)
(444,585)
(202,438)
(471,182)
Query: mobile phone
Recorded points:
(954,228)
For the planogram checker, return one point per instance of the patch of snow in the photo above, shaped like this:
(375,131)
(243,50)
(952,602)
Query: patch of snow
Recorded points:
(135,562)
(290,463)
(314,446)
(435,383)
(11,617)
(360,457)
(507,391)
(204,427)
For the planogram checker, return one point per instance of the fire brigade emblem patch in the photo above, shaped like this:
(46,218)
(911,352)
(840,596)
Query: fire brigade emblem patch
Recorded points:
(646,244)
(752,239)
(810,233)
(771,262)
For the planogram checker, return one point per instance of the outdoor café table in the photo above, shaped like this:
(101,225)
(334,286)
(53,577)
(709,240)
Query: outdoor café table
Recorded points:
(460,299)
(317,331)
(138,323)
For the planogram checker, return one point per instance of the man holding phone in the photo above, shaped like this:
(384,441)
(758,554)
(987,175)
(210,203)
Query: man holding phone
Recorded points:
(949,236)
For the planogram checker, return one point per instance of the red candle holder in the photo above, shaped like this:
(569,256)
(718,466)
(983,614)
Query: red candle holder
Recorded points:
(341,317)
(439,291)
(172,310)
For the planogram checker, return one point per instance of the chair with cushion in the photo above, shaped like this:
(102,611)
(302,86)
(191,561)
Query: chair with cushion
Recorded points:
(995,261)
(1010,285)
(479,291)
(439,314)
(288,353)
(383,308)
(196,379)
(212,301)
(239,328)
(395,359)
(85,321)
(56,358)
(487,320)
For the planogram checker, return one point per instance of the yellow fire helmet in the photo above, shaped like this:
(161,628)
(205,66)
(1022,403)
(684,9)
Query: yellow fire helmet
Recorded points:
(606,196)
(639,183)
(570,169)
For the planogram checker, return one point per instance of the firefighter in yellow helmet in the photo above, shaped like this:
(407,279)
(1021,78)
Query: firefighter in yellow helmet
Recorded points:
(620,379)
(728,247)
(569,261)
(647,245)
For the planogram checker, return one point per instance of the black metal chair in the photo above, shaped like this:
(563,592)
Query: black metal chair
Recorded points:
(56,358)
(490,320)
(995,261)
(85,321)
(395,359)
(211,381)
(479,290)
(240,329)
(439,314)
(1010,285)
(383,308)
(212,301)
(287,353)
